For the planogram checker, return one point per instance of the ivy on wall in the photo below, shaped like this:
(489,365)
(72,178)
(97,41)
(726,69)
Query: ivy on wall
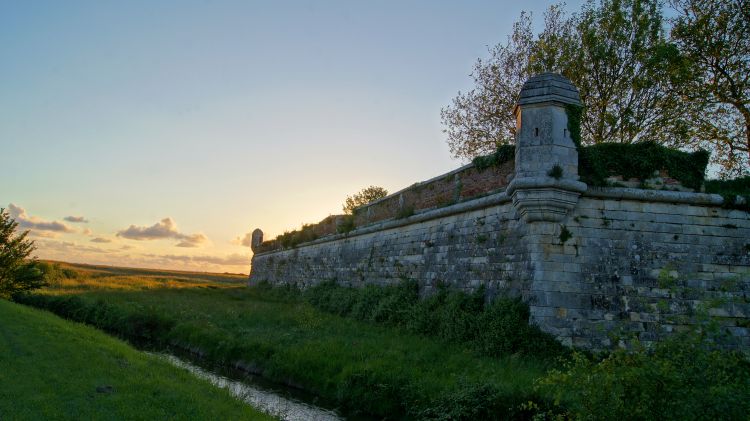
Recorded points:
(503,154)
(640,160)
(574,113)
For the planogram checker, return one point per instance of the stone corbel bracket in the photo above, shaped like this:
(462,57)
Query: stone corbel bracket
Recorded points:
(544,198)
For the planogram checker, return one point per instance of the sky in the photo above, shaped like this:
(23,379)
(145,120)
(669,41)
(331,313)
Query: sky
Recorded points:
(160,133)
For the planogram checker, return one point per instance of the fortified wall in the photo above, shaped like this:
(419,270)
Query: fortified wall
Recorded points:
(593,263)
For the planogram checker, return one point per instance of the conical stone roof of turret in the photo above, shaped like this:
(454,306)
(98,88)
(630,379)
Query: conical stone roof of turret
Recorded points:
(549,87)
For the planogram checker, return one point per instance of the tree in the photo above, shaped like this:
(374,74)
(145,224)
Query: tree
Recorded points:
(17,273)
(616,67)
(711,70)
(609,51)
(363,197)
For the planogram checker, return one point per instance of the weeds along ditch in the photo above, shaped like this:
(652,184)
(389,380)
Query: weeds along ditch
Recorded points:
(385,352)
(364,367)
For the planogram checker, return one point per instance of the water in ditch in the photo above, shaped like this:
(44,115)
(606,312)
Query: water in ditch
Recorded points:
(273,401)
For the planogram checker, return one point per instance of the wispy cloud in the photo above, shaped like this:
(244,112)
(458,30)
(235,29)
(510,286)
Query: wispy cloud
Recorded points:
(166,228)
(25,221)
(76,219)
(43,234)
(233,259)
(69,247)
(87,231)
(100,240)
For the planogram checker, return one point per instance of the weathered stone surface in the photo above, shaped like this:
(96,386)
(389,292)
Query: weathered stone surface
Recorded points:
(616,267)
(597,266)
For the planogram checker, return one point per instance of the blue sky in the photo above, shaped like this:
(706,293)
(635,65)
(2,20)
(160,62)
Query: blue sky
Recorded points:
(222,116)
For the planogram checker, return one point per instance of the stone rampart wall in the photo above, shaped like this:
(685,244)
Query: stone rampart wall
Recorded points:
(625,267)
(595,265)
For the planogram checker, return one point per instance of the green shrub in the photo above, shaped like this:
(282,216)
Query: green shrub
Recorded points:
(503,154)
(640,160)
(730,189)
(347,224)
(681,378)
(479,401)
(495,329)
(138,325)
(291,239)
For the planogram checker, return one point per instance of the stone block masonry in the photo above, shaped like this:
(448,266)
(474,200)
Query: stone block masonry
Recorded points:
(595,265)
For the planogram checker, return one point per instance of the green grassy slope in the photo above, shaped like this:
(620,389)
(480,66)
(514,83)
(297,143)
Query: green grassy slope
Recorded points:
(362,366)
(55,369)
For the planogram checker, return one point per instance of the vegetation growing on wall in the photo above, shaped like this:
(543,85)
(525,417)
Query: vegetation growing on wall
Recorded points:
(503,154)
(347,224)
(574,112)
(641,161)
(730,189)
(363,197)
(293,238)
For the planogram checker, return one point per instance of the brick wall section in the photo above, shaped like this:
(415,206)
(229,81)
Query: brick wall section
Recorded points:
(463,184)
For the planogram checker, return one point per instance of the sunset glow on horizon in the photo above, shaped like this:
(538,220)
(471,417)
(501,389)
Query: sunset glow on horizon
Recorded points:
(160,134)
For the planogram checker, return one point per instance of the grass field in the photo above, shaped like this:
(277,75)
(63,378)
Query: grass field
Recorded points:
(364,367)
(51,368)
(371,363)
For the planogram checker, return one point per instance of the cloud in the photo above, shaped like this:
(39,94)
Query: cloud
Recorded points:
(87,231)
(69,247)
(43,234)
(233,259)
(244,241)
(26,221)
(76,219)
(193,240)
(166,228)
(100,240)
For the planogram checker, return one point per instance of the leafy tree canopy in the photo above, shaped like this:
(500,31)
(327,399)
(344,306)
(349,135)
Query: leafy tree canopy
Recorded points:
(17,273)
(363,197)
(686,90)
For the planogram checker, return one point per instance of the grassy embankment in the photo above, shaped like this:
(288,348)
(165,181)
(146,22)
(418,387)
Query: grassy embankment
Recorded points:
(383,351)
(363,366)
(51,368)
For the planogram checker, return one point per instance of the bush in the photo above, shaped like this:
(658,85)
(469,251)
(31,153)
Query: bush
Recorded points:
(640,160)
(363,197)
(682,378)
(139,325)
(503,154)
(495,329)
(17,273)
(730,189)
